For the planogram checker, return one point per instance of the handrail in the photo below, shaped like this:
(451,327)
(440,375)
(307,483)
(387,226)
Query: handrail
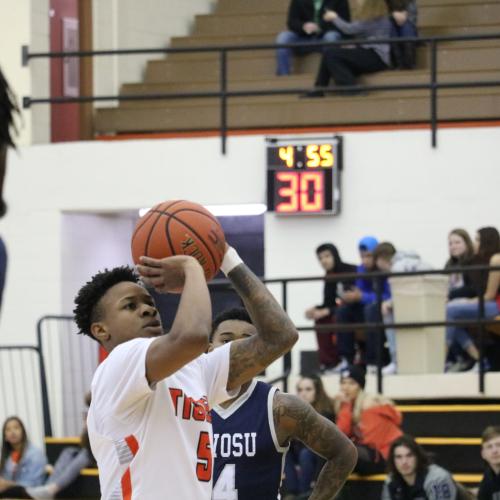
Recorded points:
(224,94)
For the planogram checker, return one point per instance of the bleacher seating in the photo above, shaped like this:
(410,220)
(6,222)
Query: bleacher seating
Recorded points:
(449,433)
(241,22)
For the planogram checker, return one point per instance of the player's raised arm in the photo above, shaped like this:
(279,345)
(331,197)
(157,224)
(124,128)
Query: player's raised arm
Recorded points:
(296,419)
(188,337)
(276,333)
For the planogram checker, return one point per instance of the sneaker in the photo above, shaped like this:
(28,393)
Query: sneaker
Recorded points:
(341,366)
(390,369)
(475,368)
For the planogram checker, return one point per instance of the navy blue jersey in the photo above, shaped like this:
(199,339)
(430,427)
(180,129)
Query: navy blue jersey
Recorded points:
(248,460)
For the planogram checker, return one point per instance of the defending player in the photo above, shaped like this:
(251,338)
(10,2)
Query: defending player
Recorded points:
(149,423)
(252,431)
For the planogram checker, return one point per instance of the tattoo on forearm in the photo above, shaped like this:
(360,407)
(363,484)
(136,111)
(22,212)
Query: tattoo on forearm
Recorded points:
(321,436)
(276,332)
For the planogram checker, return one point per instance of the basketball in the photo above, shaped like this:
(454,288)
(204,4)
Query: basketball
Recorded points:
(180,227)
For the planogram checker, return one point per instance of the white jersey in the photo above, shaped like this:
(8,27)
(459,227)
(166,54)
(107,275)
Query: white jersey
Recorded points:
(155,443)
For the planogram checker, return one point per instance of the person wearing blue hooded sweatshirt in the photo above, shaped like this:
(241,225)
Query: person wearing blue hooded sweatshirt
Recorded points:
(360,305)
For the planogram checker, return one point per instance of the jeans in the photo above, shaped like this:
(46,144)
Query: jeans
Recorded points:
(465,310)
(299,480)
(284,55)
(408,29)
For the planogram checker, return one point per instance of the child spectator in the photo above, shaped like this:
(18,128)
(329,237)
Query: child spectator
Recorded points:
(411,476)
(359,304)
(489,488)
(21,463)
(488,252)
(302,466)
(403,16)
(372,422)
(330,261)
(306,23)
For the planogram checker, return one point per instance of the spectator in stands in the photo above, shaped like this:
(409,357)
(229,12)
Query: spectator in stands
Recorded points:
(21,463)
(461,254)
(489,489)
(411,476)
(383,254)
(345,64)
(70,462)
(488,284)
(403,16)
(307,23)
(371,421)
(302,466)
(8,109)
(387,259)
(359,304)
(330,261)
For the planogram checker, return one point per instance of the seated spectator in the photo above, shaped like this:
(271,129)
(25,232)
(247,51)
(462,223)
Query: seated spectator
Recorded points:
(488,252)
(489,488)
(383,255)
(411,476)
(403,16)
(21,463)
(461,254)
(388,260)
(330,261)
(345,64)
(359,304)
(307,23)
(70,462)
(302,465)
(372,422)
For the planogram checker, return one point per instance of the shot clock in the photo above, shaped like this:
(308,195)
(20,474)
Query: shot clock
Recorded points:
(303,176)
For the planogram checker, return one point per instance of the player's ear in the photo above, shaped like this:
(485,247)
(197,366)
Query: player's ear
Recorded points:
(210,347)
(99,332)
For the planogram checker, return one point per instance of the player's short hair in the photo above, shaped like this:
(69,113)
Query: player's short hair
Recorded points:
(384,250)
(236,313)
(87,310)
(491,432)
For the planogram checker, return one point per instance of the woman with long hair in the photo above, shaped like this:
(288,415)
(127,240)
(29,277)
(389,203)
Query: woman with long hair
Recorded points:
(21,463)
(302,466)
(371,421)
(487,284)
(461,250)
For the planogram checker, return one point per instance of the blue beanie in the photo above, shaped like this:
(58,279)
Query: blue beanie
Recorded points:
(367,244)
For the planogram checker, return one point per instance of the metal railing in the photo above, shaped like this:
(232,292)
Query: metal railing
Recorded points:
(377,277)
(48,379)
(223,94)
(23,388)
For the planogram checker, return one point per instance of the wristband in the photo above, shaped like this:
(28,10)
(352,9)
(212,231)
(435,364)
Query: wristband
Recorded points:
(230,261)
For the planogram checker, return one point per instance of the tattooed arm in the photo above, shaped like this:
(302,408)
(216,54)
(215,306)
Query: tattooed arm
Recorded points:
(295,419)
(276,333)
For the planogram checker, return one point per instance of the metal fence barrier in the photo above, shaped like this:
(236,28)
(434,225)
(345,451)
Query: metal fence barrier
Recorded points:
(223,94)
(21,388)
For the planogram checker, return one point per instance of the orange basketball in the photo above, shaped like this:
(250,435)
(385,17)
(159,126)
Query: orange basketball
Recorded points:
(179,227)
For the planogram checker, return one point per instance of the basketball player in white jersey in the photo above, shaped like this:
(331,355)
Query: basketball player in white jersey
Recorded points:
(149,423)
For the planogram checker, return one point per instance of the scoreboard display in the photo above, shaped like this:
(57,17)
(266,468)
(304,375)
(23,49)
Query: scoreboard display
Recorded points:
(303,176)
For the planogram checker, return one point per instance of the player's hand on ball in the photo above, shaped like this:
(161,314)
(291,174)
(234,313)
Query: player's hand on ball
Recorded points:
(165,275)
